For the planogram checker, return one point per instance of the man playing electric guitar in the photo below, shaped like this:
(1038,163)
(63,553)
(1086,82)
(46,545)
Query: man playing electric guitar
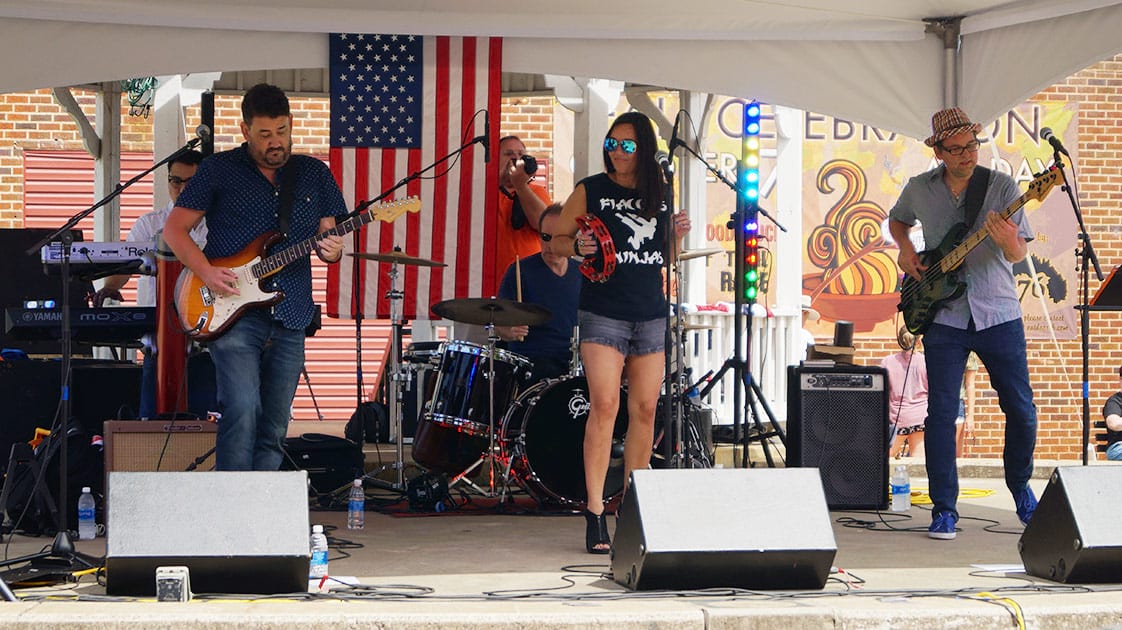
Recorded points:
(984,318)
(244,193)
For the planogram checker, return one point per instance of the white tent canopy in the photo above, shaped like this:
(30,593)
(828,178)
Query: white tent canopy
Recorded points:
(875,62)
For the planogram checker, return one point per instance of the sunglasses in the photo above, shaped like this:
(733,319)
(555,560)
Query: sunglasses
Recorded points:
(628,146)
(178,181)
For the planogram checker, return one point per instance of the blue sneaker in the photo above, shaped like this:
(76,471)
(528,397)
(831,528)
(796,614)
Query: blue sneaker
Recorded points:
(1026,504)
(942,526)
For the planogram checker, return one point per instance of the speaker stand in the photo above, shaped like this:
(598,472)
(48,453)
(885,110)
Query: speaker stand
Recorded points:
(756,432)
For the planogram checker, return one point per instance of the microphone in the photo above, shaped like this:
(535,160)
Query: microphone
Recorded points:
(665,164)
(203,132)
(487,137)
(674,142)
(1046,134)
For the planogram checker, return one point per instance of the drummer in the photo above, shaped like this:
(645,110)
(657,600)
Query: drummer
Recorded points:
(550,281)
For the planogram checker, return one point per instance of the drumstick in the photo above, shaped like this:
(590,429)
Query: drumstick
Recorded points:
(517,280)
(518,286)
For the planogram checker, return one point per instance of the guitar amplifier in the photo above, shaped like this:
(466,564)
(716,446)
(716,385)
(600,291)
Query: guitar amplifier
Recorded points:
(159,445)
(837,421)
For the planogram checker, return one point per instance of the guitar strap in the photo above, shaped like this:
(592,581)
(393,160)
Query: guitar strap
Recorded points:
(287,194)
(976,193)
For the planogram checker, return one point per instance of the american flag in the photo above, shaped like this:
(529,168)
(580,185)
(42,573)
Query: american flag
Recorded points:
(398,104)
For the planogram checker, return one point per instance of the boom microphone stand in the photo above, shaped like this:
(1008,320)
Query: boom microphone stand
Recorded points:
(1085,254)
(62,554)
(742,338)
(397,380)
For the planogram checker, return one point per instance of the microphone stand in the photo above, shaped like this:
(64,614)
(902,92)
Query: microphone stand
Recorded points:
(62,552)
(671,393)
(1085,253)
(394,365)
(742,338)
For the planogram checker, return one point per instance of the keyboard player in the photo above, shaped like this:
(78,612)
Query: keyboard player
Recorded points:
(146,229)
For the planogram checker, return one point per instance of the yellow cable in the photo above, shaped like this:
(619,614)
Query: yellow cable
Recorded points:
(920,496)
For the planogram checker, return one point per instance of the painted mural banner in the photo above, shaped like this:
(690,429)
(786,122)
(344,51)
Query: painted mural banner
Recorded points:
(852,175)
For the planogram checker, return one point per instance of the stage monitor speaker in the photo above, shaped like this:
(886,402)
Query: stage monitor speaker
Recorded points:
(687,529)
(1074,535)
(159,445)
(236,532)
(837,421)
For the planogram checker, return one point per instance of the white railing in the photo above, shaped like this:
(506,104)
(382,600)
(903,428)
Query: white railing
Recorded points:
(773,347)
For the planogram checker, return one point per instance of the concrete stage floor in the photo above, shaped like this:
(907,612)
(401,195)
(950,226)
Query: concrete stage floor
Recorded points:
(476,569)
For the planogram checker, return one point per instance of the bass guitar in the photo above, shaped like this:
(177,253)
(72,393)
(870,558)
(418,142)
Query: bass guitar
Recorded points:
(205,315)
(921,299)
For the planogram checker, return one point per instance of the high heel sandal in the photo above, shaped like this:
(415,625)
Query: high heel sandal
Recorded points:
(596,533)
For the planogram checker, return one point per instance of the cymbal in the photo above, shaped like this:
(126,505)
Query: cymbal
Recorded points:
(398,257)
(497,311)
(698,253)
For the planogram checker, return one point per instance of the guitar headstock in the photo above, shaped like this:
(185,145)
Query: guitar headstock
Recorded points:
(1040,186)
(391,210)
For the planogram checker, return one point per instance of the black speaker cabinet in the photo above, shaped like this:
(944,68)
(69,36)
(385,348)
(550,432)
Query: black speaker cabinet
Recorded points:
(1075,534)
(705,528)
(236,532)
(837,421)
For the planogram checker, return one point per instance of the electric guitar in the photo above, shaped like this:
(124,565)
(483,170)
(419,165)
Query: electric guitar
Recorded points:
(921,299)
(205,315)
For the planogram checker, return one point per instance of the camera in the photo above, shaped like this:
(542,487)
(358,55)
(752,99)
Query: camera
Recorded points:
(529,164)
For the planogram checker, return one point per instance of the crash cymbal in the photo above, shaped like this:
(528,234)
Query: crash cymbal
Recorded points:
(698,253)
(497,311)
(398,257)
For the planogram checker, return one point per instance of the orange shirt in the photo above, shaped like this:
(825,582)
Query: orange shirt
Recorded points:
(511,243)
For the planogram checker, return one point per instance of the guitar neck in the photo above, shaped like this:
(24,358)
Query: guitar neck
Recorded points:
(275,262)
(956,256)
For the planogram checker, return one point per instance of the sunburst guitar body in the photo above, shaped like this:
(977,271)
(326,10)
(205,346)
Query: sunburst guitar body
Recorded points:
(205,315)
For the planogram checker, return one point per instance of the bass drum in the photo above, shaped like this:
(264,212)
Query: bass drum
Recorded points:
(544,432)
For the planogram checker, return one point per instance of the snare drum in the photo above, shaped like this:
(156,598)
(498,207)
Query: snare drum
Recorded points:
(544,430)
(455,428)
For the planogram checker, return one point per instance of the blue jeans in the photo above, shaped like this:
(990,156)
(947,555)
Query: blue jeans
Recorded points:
(1114,451)
(257,366)
(1002,350)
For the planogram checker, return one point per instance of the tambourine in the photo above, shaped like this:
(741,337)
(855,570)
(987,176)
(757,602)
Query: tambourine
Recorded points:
(598,267)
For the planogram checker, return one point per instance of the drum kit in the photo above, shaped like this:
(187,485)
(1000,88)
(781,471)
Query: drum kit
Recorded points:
(476,411)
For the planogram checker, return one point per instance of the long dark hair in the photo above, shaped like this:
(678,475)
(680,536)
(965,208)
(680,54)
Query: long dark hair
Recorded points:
(648,176)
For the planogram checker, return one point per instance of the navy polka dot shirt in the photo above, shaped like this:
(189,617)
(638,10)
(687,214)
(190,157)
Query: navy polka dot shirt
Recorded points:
(241,205)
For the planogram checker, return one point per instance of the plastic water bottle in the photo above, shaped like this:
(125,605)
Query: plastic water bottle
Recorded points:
(87,527)
(356,506)
(318,567)
(901,489)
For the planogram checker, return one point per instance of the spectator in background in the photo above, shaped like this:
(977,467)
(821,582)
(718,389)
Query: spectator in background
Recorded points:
(1112,414)
(907,396)
(964,425)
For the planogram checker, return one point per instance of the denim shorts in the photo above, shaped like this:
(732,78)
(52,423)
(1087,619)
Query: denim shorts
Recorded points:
(629,338)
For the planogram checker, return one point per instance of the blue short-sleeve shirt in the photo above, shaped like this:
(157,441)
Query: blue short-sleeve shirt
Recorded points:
(241,204)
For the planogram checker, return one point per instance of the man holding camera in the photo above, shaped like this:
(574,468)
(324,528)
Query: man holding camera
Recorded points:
(520,205)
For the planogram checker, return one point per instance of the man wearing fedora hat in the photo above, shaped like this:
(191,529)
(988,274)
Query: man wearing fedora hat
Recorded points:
(985,319)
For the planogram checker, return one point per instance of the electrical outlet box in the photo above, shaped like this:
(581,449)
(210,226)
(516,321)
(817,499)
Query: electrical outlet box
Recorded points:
(173,584)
